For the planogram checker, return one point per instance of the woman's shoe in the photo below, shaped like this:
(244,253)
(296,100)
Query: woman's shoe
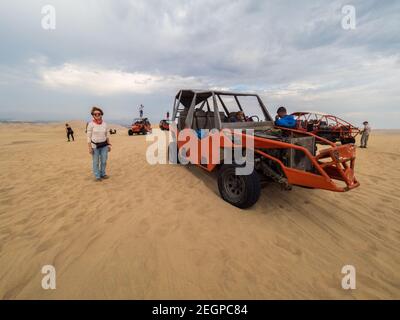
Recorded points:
(105,177)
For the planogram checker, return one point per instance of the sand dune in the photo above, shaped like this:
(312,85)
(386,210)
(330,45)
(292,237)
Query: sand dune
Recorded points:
(163,231)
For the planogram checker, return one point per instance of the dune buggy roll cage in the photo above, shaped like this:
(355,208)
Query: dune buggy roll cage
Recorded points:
(326,121)
(334,163)
(190,98)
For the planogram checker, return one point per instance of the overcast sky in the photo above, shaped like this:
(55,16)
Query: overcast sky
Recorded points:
(119,54)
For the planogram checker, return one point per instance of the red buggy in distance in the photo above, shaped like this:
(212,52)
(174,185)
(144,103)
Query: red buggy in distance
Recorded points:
(164,124)
(326,126)
(140,126)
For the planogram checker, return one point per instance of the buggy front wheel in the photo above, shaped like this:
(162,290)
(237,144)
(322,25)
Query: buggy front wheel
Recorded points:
(348,140)
(241,191)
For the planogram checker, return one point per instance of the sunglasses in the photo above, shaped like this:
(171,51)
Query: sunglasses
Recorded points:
(97,114)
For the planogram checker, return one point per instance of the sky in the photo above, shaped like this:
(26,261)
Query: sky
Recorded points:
(120,54)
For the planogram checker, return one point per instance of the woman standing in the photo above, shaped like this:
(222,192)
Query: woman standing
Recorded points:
(98,143)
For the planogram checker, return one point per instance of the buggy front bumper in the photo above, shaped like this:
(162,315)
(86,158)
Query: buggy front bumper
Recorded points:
(338,164)
(333,169)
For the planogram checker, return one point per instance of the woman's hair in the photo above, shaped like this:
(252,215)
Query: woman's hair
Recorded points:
(66,124)
(96,109)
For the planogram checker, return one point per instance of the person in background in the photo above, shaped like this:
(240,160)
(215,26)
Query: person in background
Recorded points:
(365,134)
(282,119)
(70,132)
(237,116)
(240,117)
(98,143)
(141,111)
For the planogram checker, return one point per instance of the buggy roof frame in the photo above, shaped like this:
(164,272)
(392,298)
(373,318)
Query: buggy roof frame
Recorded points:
(189,98)
(319,116)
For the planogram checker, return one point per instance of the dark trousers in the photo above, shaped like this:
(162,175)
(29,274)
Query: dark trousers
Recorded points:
(70,134)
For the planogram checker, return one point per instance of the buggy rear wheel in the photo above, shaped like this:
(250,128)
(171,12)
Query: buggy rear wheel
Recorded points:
(130,132)
(241,191)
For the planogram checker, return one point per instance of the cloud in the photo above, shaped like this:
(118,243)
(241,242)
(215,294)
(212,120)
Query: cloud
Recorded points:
(101,81)
(292,89)
(117,53)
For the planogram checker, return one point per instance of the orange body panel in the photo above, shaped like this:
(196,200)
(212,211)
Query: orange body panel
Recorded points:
(334,163)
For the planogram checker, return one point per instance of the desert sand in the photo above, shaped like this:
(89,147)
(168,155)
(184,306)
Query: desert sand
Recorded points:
(163,232)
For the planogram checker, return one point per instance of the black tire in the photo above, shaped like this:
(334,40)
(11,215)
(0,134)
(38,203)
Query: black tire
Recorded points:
(239,190)
(173,145)
(351,140)
(130,132)
(348,140)
(331,138)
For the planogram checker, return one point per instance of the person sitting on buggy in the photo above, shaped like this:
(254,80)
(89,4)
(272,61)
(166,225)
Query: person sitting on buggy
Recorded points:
(237,117)
(283,119)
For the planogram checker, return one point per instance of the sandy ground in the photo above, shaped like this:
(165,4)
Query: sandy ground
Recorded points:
(163,232)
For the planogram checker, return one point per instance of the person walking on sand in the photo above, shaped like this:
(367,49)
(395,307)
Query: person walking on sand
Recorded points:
(98,143)
(70,132)
(365,132)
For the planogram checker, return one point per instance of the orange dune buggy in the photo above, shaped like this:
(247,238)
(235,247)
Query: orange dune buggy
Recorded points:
(140,126)
(164,124)
(326,126)
(286,156)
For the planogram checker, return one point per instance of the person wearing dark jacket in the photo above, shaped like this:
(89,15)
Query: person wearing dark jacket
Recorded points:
(70,132)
